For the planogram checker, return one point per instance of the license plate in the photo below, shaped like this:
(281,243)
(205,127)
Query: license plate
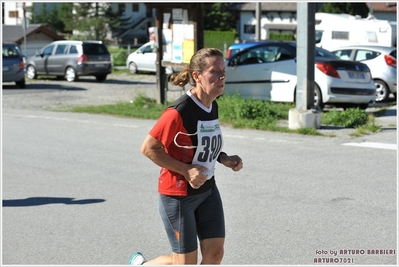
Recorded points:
(356,75)
(99,65)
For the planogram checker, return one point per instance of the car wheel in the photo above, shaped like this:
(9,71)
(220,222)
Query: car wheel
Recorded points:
(31,72)
(394,95)
(132,67)
(318,98)
(101,78)
(70,74)
(21,84)
(382,91)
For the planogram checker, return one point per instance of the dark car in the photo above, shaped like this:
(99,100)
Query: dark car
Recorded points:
(13,65)
(71,59)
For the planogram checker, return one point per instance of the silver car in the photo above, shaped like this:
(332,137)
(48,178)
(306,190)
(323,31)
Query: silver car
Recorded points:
(70,59)
(381,61)
(144,60)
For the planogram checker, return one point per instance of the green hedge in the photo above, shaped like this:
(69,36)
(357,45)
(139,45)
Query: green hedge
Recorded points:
(282,37)
(219,39)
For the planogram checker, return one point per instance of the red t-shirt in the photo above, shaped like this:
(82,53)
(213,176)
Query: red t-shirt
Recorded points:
(180,122)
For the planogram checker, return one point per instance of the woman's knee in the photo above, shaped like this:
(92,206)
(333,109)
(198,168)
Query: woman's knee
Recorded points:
(212,250)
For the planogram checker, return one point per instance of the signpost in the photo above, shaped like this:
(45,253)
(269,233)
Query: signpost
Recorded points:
(181,28)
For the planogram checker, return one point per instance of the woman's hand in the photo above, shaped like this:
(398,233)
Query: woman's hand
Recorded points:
(195,175)
(234,162)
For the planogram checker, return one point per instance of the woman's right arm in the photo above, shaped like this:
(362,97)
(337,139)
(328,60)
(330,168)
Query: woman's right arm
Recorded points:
(155,151)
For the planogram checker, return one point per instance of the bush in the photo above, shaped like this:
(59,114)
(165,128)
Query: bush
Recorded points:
(251,113)
(352,117)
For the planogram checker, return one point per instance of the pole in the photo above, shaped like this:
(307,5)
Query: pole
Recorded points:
(305,115)
(258,17)
(24,25)
(305,55)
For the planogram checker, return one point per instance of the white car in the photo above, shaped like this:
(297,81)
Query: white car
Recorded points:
(381,61)
(144,60)
(267,71)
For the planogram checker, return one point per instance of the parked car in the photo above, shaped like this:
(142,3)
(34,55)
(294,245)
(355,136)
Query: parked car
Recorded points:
(237,47)
(71,59)
(267,71)
(144,60)
(381,61)
(13,65)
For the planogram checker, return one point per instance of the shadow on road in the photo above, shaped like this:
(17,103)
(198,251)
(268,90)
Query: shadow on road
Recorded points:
(37,201)
(44,86)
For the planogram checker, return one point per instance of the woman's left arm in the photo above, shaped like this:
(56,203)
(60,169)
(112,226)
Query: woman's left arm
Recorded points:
(234,162)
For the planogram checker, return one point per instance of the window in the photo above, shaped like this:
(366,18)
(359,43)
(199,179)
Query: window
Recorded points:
(257,55)
(10,52)
(13,14)
(48,50)
(73,50)
(61,49)
(344,54)
(365,55)
(135,7)
(94,49)
(318,36)
(148,49)
(284,54)
(372,37)
(337,35)
(249,28)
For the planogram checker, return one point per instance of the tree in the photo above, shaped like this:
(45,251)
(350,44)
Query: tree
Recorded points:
(92,21)
(48,15)
(352,8)
(218,18)
(65,13)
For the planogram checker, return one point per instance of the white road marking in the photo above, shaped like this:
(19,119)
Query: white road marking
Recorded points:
(64,119)
(373,145)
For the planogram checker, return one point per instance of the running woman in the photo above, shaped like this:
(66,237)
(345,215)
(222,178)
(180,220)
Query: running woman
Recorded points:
(186,142)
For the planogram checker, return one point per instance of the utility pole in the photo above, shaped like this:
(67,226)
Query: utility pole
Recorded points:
(258,19)
(305,115)
(24,25)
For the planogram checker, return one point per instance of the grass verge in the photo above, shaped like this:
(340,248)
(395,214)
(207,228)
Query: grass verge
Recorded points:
(246,113)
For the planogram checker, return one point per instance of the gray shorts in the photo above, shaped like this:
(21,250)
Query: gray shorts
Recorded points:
(187,217)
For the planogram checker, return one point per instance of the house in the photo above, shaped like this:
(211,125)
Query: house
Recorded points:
(136,31)
(383,10)
(275,18)
(37,36)
(142,18)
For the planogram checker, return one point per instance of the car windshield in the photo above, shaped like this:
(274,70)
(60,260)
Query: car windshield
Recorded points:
(10,52)
(320,52)
(324,53)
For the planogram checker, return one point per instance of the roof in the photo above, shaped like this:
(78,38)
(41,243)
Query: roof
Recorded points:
(15,33)
(292,6)
(383,6)
(280,7)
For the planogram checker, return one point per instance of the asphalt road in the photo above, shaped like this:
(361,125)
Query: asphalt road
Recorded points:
(77,191)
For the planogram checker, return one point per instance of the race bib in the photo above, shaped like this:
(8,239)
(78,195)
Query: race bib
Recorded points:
(210,143)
